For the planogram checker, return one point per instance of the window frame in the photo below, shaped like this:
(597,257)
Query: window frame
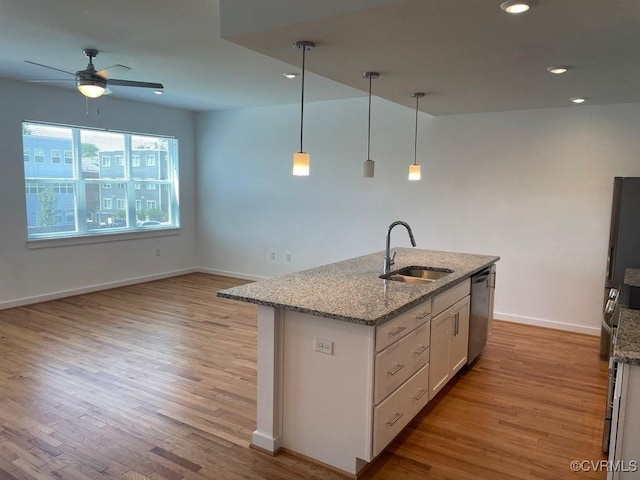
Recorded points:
(76,184)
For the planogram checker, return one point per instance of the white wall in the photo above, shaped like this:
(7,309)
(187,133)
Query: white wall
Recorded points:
(28,275)
(533,187)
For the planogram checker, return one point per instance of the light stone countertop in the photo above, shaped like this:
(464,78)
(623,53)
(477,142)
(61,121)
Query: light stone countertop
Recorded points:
(632,277)
(627,348)
(352,291)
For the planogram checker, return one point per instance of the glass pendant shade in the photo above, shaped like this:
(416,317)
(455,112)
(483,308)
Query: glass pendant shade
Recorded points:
(301,164)
(414,172)
(368,168)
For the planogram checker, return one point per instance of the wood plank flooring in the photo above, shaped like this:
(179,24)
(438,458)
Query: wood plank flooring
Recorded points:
(158,381)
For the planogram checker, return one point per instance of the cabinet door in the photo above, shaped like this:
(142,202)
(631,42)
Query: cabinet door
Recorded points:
(439,352)
(459,335)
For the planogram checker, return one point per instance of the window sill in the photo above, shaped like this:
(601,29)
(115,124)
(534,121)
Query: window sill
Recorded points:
(100,238)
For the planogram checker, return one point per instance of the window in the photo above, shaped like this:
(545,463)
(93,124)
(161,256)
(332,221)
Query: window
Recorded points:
(78,197)
(151,160)
(135,160)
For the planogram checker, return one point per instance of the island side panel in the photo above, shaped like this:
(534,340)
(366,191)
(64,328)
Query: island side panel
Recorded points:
(268,433)
(328,398)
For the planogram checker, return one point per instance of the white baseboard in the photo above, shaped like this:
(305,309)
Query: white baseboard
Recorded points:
(225,273)
(92,288)
(567,327)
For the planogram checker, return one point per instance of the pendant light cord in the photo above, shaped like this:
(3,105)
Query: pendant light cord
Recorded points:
(415,143)
(304,51)
(369,124)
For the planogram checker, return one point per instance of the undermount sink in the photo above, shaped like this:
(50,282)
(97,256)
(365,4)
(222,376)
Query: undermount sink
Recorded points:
(417,274)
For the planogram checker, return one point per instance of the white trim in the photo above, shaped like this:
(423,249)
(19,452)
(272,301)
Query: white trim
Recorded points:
(226,273)
(115,235)
(266,442)
(93,288)
(567,327)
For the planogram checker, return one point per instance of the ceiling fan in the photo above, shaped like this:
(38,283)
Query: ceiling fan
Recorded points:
(93,83)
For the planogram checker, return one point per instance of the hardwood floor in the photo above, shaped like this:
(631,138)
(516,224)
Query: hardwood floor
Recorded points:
(158,381)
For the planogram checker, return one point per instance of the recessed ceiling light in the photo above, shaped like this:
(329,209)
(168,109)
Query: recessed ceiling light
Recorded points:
(558,69)
(158,92)
(516,6)
(290,75)
(578,99)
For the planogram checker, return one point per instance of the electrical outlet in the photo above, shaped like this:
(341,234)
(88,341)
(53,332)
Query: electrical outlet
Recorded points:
(323,345)
(272,256)
(288,257)
(157,251)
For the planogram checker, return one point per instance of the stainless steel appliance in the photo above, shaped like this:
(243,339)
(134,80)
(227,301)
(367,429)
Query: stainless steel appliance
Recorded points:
(610,324)
(482,291)
(624,241)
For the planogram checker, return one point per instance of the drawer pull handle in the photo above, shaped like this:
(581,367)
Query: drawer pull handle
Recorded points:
(421,348)
(421,393)
(397,331)
(396,417)
(399,367)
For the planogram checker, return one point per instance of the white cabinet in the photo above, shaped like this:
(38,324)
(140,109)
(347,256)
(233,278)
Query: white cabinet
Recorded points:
(401,383)
(459,335)
(624,450)
(449,336)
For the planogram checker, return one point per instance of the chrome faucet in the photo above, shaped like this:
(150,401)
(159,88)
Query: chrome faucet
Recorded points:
(389,259)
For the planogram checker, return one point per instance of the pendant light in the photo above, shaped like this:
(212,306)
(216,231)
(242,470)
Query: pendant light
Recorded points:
(368,166)
(414,169)
(301,158)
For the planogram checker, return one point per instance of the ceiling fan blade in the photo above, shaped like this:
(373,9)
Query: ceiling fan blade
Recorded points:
(47,66)
(131,83)
(49,80)
(105,72)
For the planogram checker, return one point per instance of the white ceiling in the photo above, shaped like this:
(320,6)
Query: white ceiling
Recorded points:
(468,55)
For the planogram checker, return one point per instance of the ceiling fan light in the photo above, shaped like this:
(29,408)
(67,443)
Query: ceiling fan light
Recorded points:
(92,88)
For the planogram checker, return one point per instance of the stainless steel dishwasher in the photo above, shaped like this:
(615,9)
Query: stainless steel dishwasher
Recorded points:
(482,288)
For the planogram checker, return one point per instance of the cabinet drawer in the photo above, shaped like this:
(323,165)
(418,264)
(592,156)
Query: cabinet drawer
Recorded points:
(447,298)
(400,361)
(392,415)
(395,329)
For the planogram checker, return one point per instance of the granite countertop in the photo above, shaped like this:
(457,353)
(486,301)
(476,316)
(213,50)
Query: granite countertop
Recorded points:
(627,348)
(632,277)
(352,291)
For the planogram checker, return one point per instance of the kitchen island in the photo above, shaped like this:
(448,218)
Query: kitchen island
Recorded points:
(346,359)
